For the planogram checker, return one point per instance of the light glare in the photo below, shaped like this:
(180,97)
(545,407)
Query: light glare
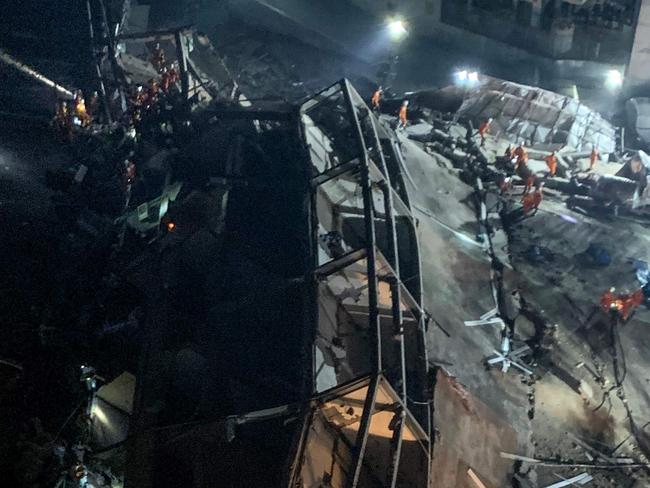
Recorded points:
(614,78)
(396,28)
(467,77)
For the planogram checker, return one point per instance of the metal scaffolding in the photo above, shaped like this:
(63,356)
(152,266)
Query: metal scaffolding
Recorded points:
(364,306)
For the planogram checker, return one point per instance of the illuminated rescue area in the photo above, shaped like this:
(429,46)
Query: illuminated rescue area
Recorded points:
(222,268)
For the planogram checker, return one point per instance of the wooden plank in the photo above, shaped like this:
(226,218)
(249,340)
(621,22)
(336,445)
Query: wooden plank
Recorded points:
(475,479)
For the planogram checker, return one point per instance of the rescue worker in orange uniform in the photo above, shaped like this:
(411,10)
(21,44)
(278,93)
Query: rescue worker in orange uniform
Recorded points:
(551,162)
(158,57)
(403,111)
(376,98)
(80,109)
(623,304)
(483,129)
(608,300)
(169,78)
(593,158)
(137,99)
(521,156)
(630,302)
(531,201)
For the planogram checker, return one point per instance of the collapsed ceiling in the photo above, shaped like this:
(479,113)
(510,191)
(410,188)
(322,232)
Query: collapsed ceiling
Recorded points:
(540,118)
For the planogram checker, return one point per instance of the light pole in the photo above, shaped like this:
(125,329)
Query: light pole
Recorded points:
(465,79)
(397,31)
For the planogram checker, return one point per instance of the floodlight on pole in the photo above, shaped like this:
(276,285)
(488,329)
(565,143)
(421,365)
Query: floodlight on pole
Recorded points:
(462,75)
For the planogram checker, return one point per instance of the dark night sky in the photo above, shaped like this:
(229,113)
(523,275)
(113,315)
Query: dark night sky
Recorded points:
(56,28)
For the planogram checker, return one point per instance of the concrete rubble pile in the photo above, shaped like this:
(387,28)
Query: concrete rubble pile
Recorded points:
(543,122)
(540,118)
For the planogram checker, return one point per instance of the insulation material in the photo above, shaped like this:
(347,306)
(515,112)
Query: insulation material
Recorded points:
(540,118)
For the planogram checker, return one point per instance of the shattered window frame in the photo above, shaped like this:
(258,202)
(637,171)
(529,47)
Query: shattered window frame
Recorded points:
(337,448)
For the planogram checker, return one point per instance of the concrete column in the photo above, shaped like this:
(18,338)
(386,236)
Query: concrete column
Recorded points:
(637,72)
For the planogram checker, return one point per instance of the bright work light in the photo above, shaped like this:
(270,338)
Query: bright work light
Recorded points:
(396,29)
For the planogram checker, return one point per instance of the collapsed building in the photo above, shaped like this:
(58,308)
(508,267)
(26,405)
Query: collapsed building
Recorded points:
(546,272)
(305,283)
(545,122)
(540,118)
(313,243)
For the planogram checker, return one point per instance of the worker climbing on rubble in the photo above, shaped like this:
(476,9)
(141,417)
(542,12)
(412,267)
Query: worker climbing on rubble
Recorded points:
(151,94)
(80,111)
(483,129)
(93,105)
(551,162)
(62,120)
(403,112)
(593,158)
(622,305)
(608,300)
(138,97)
(138,100)
(158,57)
(376,98)
(521,156)
(531,201)
(169,78)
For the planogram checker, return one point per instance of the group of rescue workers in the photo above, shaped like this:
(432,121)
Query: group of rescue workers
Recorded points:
(531,199)
(402,113)
(69,118)
(147,97)
(619,305)
(519,158)
(77,114)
